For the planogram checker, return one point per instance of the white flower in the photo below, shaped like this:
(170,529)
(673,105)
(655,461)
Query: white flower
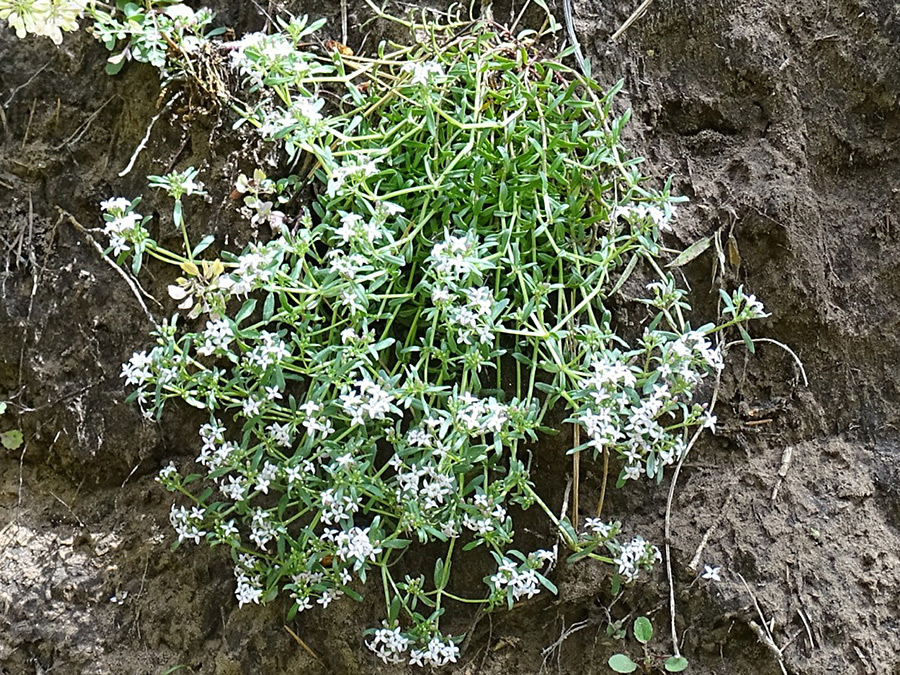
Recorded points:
(366,401)
(598,527)
(327,596)
(138,369)
(711,573)
(421,71)
(116,204)
(708,421)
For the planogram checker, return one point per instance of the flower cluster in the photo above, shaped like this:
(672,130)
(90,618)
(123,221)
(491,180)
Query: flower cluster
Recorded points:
(49,18)
(635,556)
(391,646)
(515,581)
(124,226)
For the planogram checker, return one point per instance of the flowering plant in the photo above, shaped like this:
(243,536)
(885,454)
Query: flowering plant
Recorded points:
(376,371)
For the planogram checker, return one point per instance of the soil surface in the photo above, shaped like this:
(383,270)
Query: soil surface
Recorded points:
(778,120)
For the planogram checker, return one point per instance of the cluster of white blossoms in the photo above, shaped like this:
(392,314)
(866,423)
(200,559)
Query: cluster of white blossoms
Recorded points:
(520,580)
(366,400)
(258,56)
(430,488)
(124,226)
(635,556)
(249,587)
(423,72)
(271,349)
(437,653)
(356,169)
(488,514)
(216,338)
(48,18)
(601,529)
(353,545)
(391,645)
(187,523)
(479,416)
(455,258)
(643,212)
(337,509)
(473,321)
(627,409)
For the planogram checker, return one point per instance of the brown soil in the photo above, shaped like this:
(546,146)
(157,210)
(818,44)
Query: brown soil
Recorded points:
(780,122)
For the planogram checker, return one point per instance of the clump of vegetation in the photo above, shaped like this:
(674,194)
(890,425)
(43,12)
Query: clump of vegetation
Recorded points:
(376,371)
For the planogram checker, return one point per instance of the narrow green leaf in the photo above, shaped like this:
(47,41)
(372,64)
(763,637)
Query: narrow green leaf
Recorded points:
(177,214)
(627,273)
(394,610)
(747,340)
(438,572)
(203,245)
(691,252)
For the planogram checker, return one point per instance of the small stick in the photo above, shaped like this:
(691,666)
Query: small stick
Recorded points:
(143,143)
(573,38)
(809,633)
(630,20)
(668,522)
(28,126)
(305,646)
(133,285)
(605,480)
(84,126)
(695,561)
(765,636)
(784,347)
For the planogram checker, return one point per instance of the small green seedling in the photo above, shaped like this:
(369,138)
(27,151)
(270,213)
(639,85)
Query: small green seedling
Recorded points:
(11,440)
(643,633)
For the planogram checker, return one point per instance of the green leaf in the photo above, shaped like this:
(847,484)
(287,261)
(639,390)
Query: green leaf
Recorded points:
(675,664)
(11,440)
(747,340)
(549,585)
(627,273)
(621,663)
(203,245)
(245,311)
(394,610)
(269,307)
(691,252)
(438,572)
(177,214)
(113,67)
(643,629)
